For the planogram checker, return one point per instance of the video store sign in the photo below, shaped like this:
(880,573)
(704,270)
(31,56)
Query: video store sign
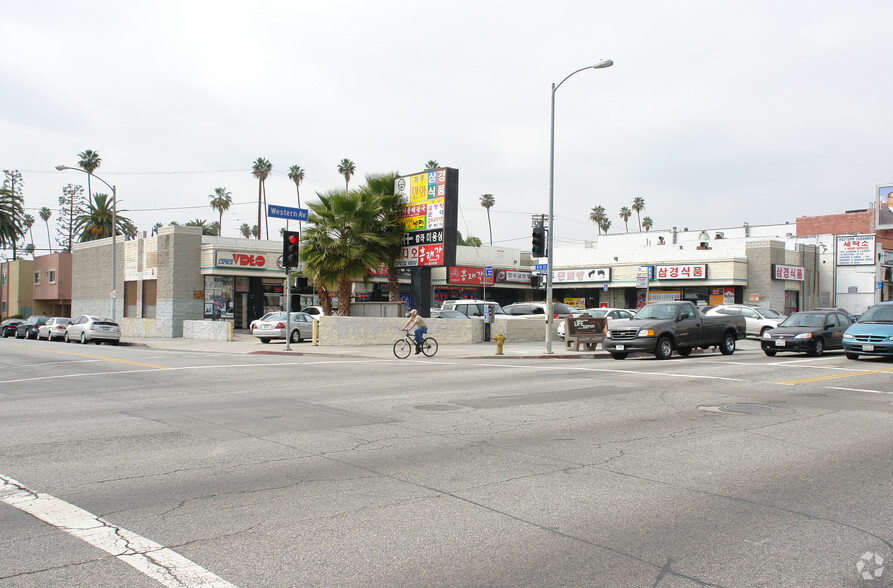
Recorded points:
(244,260)
(473,276)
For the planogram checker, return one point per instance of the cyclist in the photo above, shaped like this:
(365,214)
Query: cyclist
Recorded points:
(420,328)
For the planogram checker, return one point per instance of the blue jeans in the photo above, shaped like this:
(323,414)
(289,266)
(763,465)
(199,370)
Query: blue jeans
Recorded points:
(418,334)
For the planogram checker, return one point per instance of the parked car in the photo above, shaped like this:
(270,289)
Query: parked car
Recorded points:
(54,328)
(852,316)
(560,310)
(27,329)
(608,313)
(758,320)
(8,327)
(272,326)
(812,331)
(872,334)
(474,308)
(447,314)
(87,328)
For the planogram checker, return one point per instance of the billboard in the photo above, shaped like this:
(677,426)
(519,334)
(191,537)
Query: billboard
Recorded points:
(430,209)
(884,207)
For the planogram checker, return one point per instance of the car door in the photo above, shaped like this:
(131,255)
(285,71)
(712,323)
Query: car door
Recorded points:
(688,327)
(836,332)
(752,321)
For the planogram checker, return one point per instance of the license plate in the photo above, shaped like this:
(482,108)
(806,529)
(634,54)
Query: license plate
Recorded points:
(266,326)
(620,347)
(779,343)
(868,348)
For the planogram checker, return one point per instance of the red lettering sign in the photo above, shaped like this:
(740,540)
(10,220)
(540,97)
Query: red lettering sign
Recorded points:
(245,260)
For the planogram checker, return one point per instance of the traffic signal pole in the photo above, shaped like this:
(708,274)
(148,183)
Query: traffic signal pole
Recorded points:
(291,243)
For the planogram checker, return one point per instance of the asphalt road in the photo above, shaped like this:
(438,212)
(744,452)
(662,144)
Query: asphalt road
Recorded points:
(215,469)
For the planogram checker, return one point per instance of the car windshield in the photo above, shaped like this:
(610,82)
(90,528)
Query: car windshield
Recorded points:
(275,316)
(656,311)
(805,319)
(562,308)
(597,313)
(878,314)
(764,313)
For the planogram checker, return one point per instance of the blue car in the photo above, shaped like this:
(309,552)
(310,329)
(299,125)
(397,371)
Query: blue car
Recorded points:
(873,334)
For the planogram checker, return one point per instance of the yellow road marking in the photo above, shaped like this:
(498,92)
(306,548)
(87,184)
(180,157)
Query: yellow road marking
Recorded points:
(150,365)
(834,377)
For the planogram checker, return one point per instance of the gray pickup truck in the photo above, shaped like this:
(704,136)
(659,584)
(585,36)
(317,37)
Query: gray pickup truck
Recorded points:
(663,327)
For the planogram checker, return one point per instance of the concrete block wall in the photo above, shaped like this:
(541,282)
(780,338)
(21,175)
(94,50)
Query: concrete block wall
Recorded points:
(208,330)
(349,330)
(179,256)
(91,283)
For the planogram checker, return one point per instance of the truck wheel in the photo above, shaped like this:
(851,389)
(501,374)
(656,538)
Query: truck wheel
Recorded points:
(819,348)
(619,355)
(664,348)
(727,347)
(852,356)
(684,352)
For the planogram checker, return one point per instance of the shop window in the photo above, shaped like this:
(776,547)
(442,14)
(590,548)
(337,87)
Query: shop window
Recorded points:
(150,298)
(130,289)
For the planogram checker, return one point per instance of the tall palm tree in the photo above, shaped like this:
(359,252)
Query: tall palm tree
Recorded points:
(296,175)
(96,222)
(381,186)
(347,168)
(155,228)
(598,216)
(45,214)
(625,213)
(11,211)
(261,170)
(221,200)
(28,222)
(344,243)
(647,223)
(12,182)
(605,225)
(89,162)
(639,206)
(431,165)
(29,250)
(487,201)
(245,230)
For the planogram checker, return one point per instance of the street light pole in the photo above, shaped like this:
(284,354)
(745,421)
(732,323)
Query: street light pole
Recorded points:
(113,293)
(550,239)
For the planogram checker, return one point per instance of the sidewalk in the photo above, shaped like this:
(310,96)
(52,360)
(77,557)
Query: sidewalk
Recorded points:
(243,343)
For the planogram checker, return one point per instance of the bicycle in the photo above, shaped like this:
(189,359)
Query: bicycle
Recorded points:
(405,345)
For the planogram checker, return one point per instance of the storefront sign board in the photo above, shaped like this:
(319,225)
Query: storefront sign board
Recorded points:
(855,250)
(788,272)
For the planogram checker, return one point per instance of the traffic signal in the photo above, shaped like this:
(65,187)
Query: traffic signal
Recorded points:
(534,281)
(539,240)
(291,241)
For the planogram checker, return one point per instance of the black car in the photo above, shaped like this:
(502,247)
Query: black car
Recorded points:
(8,327)
(812,331)
(28,328)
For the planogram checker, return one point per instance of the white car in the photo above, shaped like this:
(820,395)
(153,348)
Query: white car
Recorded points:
(54,328)
(608,313)
(759,320)
(87,328)
(272,326)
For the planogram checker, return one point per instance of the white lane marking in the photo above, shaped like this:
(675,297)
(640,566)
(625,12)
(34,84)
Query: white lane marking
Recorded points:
(163,565)
(859,390)
(607,370)
(792,364)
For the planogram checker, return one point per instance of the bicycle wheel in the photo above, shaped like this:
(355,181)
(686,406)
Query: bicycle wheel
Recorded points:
(429,346)
(402,349)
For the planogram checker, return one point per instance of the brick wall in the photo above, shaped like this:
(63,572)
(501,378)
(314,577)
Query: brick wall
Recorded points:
(836,224)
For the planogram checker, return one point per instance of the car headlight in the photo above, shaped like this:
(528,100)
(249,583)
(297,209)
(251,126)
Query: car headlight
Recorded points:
(848,336)
(646,333)
(804,336)
(767,335)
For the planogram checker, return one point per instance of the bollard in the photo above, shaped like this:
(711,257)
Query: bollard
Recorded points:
(500,339)
(314,334)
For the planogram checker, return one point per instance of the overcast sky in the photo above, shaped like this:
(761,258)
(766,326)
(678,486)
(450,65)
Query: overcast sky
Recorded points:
(715,112)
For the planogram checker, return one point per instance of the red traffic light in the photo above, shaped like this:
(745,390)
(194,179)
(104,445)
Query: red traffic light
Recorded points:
(292,239)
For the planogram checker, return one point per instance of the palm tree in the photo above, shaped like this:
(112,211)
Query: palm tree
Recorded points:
(96,222)
(89,162)
(471,241)
(221,200)
(215,228)
(605,225)
(639,206)
(255,232)
(487,201)
(12,182)
(647,223)
(431,165)
(344,243)
(29,250)
(155,228)
(245,230)
(45,214)
(625,213)
(28,222)
(200,222)
(347,168)
(11,212)
(381,186)
(296,175)
(261,170)
(598,216)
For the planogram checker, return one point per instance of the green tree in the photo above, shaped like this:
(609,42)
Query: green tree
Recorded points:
(13,182)
(245,230)
(431,165)
(296,175)
(27,223)
(215,228)
(639,206)
(605,225)
(470,241)
(221,200)
(344,243)
(200,222)
(72,204)
(29,250)
(11,211)
(89,161)
(261,170)
(96,221)
(625,213)
(647,223)
(487,201)
(381,186)
(347,168)
(155,228)
(598,216)
(45,214)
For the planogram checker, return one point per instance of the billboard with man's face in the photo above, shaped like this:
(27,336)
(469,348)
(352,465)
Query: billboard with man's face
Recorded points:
(884,207)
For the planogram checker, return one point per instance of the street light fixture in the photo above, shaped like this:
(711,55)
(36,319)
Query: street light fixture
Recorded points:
(550,240)
(112,294)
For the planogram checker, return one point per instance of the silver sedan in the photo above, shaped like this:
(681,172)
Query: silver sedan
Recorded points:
(92,328)
(54,328)
(272,326)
